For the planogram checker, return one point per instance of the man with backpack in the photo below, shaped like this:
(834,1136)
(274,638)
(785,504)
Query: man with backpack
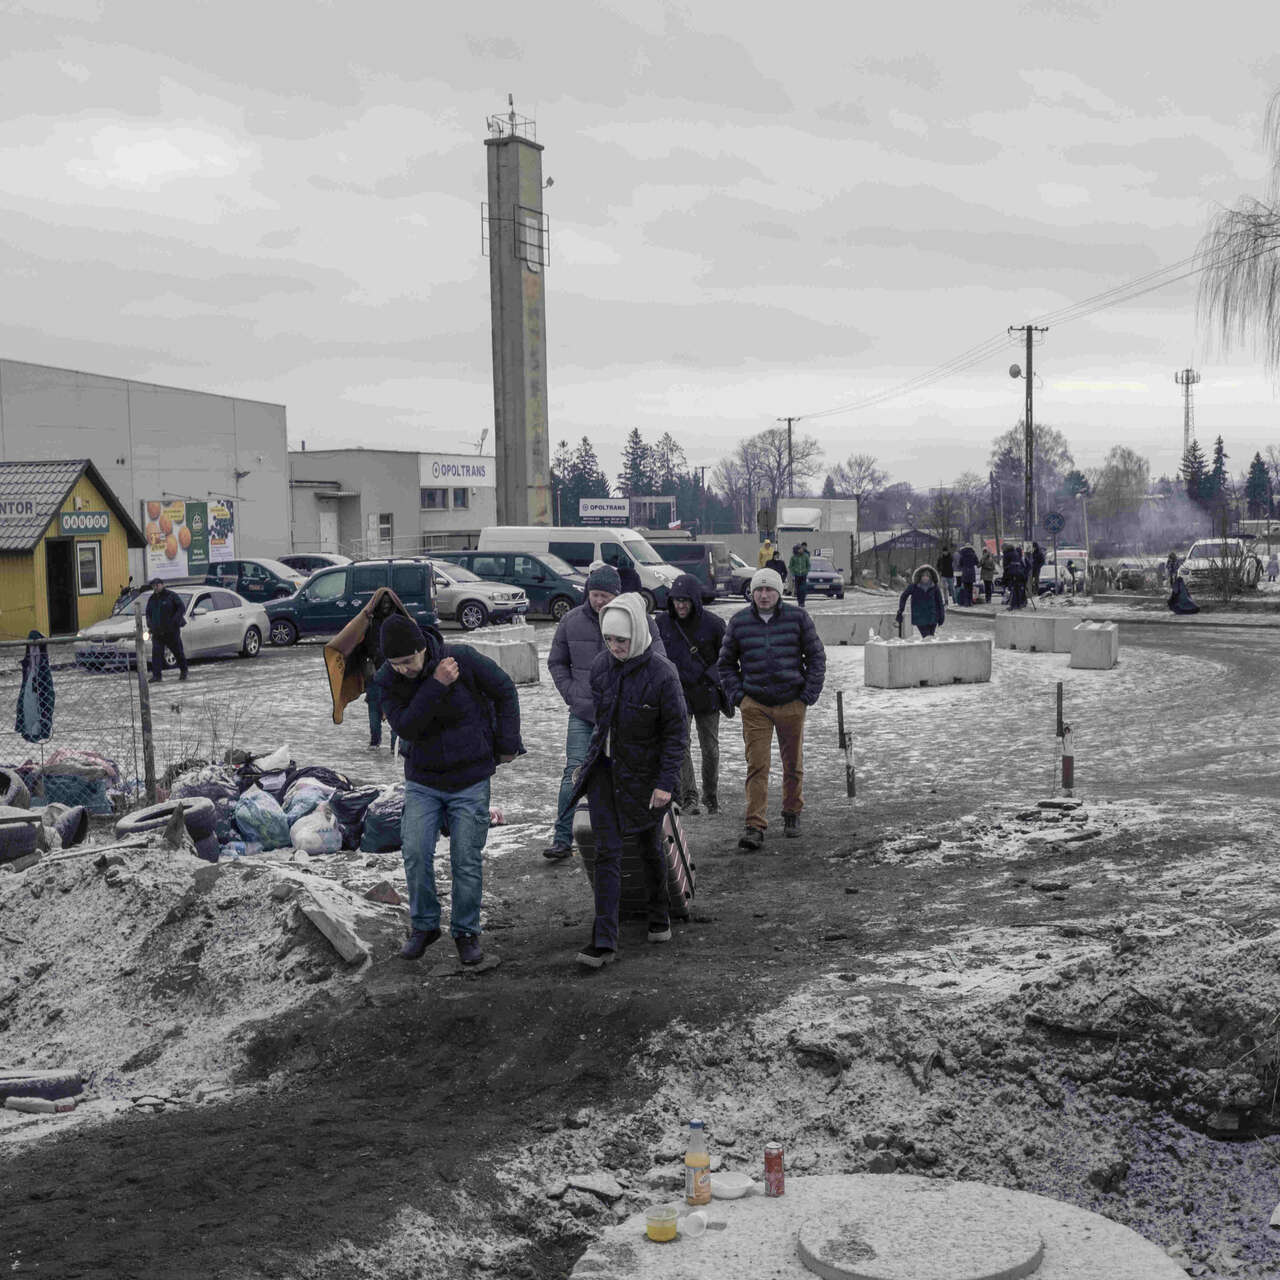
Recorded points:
(692,637)
(458,713)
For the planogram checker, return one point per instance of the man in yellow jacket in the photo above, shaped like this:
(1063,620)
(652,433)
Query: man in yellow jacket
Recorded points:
(766,554)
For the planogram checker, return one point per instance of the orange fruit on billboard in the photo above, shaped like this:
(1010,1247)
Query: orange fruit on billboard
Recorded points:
(171,547)
(184,537)
(153,534)
(153,510)
(166,525)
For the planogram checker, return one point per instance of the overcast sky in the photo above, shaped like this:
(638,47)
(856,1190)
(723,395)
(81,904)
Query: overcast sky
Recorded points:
(758,210)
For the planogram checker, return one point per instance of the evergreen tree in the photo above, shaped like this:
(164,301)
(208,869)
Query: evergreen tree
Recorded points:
(1194,472)
(589,473)
(667,464)
(1075,483)
(829,486)
(1215,492)
(1257,489)
(635,480)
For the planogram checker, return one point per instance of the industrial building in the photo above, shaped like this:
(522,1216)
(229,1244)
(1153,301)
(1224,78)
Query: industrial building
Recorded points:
(377,502)
(153,445)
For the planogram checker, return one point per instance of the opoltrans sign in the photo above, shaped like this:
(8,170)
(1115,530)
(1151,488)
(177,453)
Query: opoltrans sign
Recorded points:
(604,510)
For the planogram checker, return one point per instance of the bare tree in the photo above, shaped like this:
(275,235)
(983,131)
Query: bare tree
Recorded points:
(943,515)
(857,477)
(780,468)
(1240,287)
(973,502)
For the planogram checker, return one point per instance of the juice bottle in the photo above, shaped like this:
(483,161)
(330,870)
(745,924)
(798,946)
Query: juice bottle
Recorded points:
(697,1166)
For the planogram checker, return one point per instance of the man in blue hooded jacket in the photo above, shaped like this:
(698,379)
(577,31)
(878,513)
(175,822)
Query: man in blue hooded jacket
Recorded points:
(459,716)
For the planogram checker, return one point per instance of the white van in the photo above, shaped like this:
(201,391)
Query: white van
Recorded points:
(581,545)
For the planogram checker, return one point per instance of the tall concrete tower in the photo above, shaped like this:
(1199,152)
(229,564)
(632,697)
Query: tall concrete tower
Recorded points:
(1186,379)
(514,234)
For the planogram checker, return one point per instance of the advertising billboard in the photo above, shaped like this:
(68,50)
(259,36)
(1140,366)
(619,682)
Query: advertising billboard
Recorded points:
(185,538)
(604,510)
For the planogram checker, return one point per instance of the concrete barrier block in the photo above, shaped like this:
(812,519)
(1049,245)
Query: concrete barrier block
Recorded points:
(1062,629)
(516,654)
(1095,646)
(847,627)
(1032,632)
(905,664)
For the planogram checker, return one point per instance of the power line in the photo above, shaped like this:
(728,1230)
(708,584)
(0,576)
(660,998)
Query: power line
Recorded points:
(1127,292)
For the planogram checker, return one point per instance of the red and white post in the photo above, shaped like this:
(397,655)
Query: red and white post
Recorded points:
(1064,741)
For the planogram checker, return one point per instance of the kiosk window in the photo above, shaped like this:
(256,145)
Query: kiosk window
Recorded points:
(89,568)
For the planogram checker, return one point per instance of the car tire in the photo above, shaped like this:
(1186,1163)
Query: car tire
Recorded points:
(283,632)
(471,615)
(13,791)
(252,643)
(746,590)
(559,607)
(208,848)
(839,595)
(198,812)
(17,839)
(647,596)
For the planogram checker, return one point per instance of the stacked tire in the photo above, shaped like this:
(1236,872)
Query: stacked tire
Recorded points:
(198,813)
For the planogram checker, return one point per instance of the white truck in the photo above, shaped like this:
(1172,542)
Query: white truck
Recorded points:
(817,521)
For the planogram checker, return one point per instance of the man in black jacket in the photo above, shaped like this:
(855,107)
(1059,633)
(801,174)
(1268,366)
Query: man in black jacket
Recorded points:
(166,615)
(692,636)
(459,715)
(772,665)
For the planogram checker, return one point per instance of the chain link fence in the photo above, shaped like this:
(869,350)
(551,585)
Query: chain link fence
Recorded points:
(73,728)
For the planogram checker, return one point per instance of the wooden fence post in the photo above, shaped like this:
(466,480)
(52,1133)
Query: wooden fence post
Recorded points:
(144,707)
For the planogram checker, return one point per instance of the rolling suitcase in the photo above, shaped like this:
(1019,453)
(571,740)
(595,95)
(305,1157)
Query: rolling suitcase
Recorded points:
(634,899)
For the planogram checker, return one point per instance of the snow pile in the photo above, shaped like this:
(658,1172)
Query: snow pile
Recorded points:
(146,969)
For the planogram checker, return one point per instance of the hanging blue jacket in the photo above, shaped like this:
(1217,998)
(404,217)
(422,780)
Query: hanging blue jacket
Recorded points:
(34,720)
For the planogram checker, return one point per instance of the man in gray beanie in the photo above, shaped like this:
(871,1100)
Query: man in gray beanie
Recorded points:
(772,665)
(574,648)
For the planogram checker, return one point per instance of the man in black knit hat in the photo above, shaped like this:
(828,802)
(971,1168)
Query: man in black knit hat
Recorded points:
(459,716)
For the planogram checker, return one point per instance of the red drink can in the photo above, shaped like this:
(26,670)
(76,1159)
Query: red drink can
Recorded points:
(774,1181)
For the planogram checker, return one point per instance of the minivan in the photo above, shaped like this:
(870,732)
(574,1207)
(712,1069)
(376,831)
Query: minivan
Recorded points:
(552,585)
(257,579)
(581,545)
(708,562)
(332,597)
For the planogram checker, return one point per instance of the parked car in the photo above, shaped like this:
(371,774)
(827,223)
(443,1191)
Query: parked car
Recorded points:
(218,622)
(256,579)
(824,578)
(307,562)
(471,601)
(740,574)
(332,597)
(1209,557)
(551,585)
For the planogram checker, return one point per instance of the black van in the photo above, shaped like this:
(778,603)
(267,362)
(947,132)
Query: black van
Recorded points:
(332,597)
(552,585)
(696,558)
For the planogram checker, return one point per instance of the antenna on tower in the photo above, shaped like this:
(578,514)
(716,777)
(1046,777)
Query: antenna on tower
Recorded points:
(1186,379)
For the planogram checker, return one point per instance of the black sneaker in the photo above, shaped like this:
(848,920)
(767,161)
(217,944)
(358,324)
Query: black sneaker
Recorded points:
(660,931)
(712,806)
(557,852)
(596,957)
(690,807)
(417,942)
(791,824)
(752,838)
(468,948)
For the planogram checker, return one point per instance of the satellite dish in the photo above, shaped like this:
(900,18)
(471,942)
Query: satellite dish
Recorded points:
(1015,371)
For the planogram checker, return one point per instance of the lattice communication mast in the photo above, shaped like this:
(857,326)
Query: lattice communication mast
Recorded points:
(1186,379)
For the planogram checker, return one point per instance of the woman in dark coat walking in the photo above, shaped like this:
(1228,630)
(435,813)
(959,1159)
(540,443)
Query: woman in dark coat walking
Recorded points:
(928,612)
(631,770)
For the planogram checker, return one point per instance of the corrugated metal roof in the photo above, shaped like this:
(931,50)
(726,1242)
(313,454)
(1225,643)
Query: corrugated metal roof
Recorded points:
(31,493)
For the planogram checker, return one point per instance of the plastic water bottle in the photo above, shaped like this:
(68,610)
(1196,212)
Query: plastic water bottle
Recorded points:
(697,1166)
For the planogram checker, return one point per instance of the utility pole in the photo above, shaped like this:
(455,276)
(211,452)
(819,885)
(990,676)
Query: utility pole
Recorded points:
(1028,513)
(1186,379)
(791,474)
(995,509)
(702,486)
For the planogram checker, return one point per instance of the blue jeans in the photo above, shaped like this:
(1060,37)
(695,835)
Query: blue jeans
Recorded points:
(373,696)
(576,741)
(468,815)
(949,588)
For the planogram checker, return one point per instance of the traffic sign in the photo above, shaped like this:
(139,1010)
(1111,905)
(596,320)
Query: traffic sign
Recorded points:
(1055,522)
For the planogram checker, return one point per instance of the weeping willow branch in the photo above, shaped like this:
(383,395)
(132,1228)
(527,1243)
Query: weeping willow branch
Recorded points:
(1239,298)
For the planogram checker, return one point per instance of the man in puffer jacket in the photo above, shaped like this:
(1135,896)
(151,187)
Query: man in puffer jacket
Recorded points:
(692,637)
(631,768)
(928,612)
(772,666)
(576,645)
(459,715)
